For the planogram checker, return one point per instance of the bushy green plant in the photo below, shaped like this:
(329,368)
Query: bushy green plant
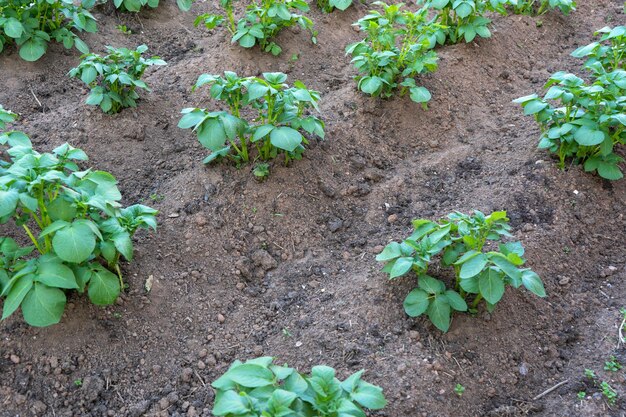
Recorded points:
(606,55)
(113,78)
(330,5)
(397,48)
(465,243)
(31,24)
(539,7)
(6,116)
(258,388)
(263,21)
(137,5)
(281,116)
(75,225)
(582,121)
(463,19)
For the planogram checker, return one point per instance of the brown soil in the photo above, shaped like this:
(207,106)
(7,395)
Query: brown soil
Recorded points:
(286,267)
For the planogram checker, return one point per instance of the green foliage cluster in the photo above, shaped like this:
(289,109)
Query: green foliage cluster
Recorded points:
(75,225)
(539,7)
(397,47)
(258,388)
(584,121)
(32,24)
(330,5)
(262,22)
(605,388)
(281,116)
(137,5)
(6,116)
(113,78)
(465,244)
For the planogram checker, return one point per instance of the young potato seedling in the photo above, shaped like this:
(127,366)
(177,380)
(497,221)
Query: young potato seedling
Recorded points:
(396,49)
(582,120)
(75,225)
(31,24)
(258,388)
(281,117)
(136,5)
(463,19)
(329,5)
(263,21)
(114,78)
(539,7)
(465,244)
(612,365)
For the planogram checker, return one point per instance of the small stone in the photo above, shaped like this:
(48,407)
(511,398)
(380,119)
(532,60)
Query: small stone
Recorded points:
(393,218)
(240,286)
(201,220)
(38,408)
(15,359)
(335,224)
(564,281)
(203,353)
(263,259)
(164,403)
(523,369)
(191,412)
(201,365)
(210,360)
(442,391)
(415,335)
(221,318)
(186,374)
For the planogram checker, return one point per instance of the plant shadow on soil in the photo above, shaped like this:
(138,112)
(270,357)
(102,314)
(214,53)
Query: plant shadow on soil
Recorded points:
(286,267)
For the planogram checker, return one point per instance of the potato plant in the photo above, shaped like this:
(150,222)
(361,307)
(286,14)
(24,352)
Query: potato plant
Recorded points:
(263,21)
(114,78)
(606,55)
(259,388)
(281,117)
(137,5)
(585,120)
(463,19)
(6,116)
(330,5)
(539,7)
(466,244)
(76,228)
(32,24)
(397,48)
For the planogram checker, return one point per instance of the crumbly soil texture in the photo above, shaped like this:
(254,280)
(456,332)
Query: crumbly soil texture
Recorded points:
(285,267)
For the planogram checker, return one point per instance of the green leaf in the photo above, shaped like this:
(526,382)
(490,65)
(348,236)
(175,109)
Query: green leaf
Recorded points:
(229,403)
(124,245)
(8,202)
(473,266)
(533,283)
(609,171)
(390,252)
(439,313)
(506,266)
(251,376)
(491,286)
(15,297)
(32,50)
(456,301)
(56,275)
(401,267)
(370,85)
(416,303)
(13,28)
(43,306)
(369,396)
(285,138)
(589,137)
(74,243)
(430,284)
(104,286)
(340,4)
(420,94)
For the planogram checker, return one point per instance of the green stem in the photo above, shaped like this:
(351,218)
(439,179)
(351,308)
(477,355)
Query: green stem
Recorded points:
(477,300)
(32,238)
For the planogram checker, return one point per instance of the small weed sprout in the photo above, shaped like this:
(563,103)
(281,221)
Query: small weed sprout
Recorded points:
(114,78)
(581,395)
(612,365)
(609,393)
(459,390)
